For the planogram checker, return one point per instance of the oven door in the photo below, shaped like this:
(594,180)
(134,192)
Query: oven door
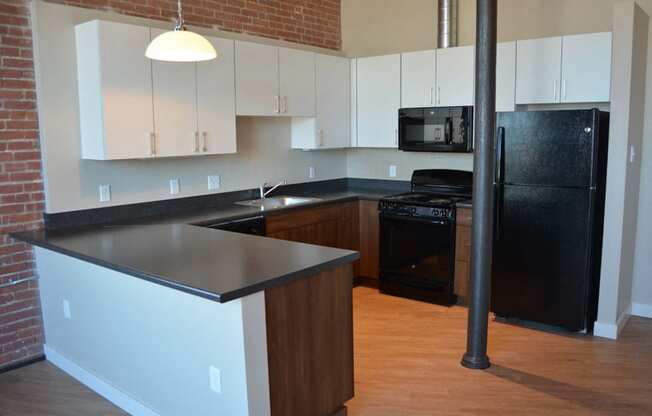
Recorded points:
(417,252)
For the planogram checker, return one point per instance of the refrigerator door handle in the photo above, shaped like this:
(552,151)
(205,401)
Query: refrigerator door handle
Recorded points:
(500,170)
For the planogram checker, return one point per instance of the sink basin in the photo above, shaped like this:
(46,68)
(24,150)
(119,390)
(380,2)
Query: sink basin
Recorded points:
(277,202)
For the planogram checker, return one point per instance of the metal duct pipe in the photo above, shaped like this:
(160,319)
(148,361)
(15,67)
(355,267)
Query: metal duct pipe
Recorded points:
(447,23)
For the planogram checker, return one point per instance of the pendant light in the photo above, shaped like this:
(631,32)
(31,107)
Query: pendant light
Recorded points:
(180,45)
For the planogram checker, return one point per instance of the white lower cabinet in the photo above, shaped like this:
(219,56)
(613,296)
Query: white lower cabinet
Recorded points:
(378,98)
(331,127)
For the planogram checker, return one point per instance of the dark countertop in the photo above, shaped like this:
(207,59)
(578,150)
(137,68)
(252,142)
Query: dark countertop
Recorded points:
(219,265)
(213,264)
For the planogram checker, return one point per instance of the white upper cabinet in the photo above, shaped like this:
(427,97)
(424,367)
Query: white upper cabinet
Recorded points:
(505,76)
(586,68)
(455,76)
(331,128)
(538,70)
(379,98)
(418,79)
(354,102)
(257,78)
(115,90)
(175,107)
(296,82)
(216,100)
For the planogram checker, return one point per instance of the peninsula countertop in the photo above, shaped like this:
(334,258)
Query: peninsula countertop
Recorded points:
(214,264)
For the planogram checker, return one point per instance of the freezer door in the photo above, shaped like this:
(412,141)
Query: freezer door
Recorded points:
(549,148)
(541,254)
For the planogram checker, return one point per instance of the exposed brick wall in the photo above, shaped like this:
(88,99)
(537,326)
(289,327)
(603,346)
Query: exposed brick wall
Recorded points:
(311,22)
(21,187)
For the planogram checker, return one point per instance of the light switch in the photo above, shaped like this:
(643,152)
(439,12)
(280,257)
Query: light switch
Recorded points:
(392,171)
(174,186)
(105,193)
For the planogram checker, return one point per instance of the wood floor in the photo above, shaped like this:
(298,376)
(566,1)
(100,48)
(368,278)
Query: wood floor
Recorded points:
(407,363)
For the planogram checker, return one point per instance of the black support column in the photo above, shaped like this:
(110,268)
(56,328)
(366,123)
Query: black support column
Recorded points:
(483,173)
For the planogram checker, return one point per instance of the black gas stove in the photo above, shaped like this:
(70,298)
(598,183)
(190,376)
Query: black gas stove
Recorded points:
(417,236)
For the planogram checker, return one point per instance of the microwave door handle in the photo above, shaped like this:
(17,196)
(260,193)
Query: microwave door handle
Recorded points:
(500,171)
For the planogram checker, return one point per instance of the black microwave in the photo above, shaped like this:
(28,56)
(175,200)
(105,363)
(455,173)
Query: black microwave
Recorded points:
(436,129)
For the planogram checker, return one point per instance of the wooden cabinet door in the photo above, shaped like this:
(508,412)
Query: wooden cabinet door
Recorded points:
(538,70)
(256,79)
(586,68)
(216,100)
(115,90)
(175,107)
(296,82)
(379,98)
(369,239)
(506,76)
(455,76)
(463,253)
(418,79)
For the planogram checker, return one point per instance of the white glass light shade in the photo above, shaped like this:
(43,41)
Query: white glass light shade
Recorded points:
(180,46)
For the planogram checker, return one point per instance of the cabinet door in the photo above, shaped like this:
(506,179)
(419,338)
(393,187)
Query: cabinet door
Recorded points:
(333,100)
(256,79)
(505,76)
(175,107)
(115,90)
(296,82)
(354,102)
(369,239)
(379,98)
(418,79)
(216,100)
(455,76)
(586,68)
(538,70)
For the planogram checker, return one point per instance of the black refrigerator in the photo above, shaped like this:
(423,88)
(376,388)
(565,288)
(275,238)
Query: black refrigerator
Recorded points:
(549,193)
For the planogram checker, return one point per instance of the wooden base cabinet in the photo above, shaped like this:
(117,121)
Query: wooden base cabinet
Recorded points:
(463,254)
(369,239)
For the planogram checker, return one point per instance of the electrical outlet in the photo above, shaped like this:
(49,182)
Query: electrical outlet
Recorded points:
(215,379)
(311,172)
(66,309)
(174,186)
(213,182)
(392,171)
(105,193)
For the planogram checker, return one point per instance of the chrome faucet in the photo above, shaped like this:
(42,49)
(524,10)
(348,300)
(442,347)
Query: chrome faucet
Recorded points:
(261,189)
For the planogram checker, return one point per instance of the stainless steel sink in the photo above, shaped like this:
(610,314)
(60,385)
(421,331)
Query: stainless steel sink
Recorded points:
(277,202)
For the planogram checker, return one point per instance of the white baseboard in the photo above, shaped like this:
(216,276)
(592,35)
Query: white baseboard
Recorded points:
(99,386)
(642,309)
(609,330)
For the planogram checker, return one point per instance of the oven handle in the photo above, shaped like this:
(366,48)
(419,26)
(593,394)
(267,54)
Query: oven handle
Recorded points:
(383,215)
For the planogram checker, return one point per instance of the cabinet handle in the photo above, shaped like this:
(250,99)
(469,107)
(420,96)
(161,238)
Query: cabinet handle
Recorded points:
(396,137)
(563,89)
(152,144)
(276,103)
(438,94)
(432,93)
(554,90)
(284,104)
(195,147)
(320,138)
(204,145)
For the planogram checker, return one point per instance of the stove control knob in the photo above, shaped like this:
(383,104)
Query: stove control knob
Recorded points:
(413,210)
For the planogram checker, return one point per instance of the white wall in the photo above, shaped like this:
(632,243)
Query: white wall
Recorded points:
(156,352)
(72,183)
